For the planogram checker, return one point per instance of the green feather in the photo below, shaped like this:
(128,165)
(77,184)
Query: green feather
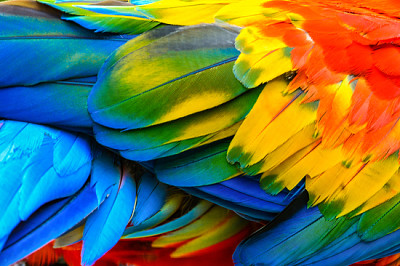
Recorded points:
(179,74)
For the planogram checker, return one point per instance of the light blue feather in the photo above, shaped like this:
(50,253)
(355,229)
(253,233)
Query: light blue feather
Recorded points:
(37,166)
(46,224)
(105,226)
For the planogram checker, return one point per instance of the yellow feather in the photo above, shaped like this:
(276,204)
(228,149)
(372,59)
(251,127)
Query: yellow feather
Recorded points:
(388,191)
(269,180)
(214,235)
(323,186)
(251,41)
(249,12)
(274,119)
(177,12)
(359,188)
(294,144)
(255,69)
(213,217)
(313,163)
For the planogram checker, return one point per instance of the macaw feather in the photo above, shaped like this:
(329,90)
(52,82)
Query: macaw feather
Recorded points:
(380,221)
(258,135)
(61,103)
(129,103)
(48,223)
(355,188)
(151,196)
(196,129)
(197,211)
(257,199)
(30,35)
(172,204)
(178,12)
(105,226)
(43,164)
(197,167)
(299,228)
(222,232)
(216,216)
(176,147)
(388,191)
(105,16)
(243,211)
(255,69)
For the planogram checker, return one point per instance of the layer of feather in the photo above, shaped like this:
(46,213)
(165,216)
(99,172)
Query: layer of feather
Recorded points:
(28,29)
(197,167)
(166,70)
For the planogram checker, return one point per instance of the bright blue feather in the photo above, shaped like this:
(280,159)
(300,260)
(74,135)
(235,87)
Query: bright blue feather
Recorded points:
(46,224)
(105,175)
(151,197)
(38,164)
(106,225)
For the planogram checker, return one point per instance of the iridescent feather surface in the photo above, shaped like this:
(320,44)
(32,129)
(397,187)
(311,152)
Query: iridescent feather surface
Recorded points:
(185,132)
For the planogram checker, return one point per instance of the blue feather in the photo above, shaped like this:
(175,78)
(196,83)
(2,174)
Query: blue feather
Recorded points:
(105,174)
(301,236)
(247,192)
(151,197)
(172,204)
(37,167)
(197,211)
(253,213)
(27,41)
(61,103)
(106,225)
(46,224)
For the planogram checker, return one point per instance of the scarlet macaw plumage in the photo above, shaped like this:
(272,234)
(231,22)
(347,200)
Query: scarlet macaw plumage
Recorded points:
(283,111)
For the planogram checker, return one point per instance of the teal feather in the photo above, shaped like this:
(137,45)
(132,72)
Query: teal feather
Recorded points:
(197,167)
(28,36)
(61,103)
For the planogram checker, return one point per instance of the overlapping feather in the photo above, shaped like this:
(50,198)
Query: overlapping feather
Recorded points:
(29,35)
(105,16)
